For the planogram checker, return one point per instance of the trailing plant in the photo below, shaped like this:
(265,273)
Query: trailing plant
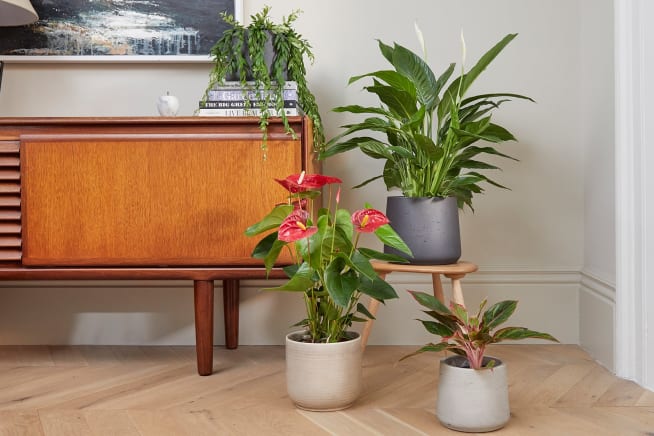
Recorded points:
(329,269)
(241,53)
(468,335)
(430,125)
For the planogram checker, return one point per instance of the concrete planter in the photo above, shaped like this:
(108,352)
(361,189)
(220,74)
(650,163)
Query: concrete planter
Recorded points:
(323,377)
(472,400)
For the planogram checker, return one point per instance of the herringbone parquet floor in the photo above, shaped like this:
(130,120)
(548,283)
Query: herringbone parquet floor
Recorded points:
(154,391)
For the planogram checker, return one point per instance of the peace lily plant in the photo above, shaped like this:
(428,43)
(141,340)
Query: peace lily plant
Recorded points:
(330,270)
(429,126)
(467,334)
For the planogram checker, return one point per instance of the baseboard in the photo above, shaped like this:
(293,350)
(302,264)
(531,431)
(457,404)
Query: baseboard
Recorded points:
(159,312)
(597,318)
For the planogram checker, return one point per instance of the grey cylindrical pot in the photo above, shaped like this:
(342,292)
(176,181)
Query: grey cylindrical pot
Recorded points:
(429,226)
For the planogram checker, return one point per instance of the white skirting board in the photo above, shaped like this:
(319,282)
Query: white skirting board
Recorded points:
(597,319)
(161,312)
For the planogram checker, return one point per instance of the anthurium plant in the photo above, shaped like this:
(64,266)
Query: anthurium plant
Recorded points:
(430,126)
(467,334)
(330,270)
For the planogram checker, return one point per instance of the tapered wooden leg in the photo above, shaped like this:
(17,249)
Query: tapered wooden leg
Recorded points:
(203,298)
(230,306)
(457,292)
(438,287)
(372,308)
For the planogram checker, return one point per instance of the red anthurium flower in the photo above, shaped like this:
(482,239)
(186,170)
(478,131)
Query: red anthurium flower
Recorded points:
(305,182)
(294,227)
(368,220)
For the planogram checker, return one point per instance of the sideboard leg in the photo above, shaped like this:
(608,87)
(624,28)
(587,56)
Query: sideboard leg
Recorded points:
(203,293)
(230,306)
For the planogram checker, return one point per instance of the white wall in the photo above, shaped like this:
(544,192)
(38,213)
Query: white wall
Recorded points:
(596,123)
(528,241)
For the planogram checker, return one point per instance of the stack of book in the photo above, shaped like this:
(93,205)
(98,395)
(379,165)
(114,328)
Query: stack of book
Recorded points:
(231,99)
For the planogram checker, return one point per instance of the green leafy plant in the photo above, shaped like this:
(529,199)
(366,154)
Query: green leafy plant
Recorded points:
(468,335)
(329,269)
(241,52)
(430,127)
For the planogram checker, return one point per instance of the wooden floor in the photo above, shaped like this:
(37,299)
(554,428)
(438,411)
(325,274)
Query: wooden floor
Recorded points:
(67,391)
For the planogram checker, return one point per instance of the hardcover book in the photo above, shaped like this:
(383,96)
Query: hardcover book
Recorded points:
(244,104)
(253,112)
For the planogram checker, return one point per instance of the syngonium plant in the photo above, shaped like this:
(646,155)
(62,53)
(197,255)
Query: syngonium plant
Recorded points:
(468,335)
(431,128)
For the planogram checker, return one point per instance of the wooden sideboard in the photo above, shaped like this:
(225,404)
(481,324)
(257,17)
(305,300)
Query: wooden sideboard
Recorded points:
(144,198)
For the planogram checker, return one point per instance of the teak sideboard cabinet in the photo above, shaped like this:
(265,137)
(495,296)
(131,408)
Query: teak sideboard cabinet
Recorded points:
(144,198)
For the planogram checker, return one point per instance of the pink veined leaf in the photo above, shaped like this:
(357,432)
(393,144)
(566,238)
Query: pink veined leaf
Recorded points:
(294,227)
(368,220)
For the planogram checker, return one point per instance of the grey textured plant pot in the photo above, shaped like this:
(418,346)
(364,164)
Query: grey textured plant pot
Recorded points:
(429,226)
(472,400)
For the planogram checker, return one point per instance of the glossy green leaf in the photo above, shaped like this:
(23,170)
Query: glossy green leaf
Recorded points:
(517,333)
(498,313)
(388,236)
(270,221)
(378,289)
(264,246)
(364,310)
(437,328)
(273,254)
(378,255)
(412,66)
(340,282)
(430,302)
(430,347)
(300,282)
(362,264)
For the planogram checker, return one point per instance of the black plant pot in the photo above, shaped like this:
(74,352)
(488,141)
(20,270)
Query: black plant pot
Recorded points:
(429,226)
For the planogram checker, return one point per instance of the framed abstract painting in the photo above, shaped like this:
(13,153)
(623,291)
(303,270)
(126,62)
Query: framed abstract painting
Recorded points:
(119,30)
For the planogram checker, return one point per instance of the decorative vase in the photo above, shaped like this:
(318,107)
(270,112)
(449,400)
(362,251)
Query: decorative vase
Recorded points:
(429,226)
(472,400)
(323,377)
(167,105)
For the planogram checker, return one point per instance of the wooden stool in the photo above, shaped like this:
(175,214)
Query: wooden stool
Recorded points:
(454,272)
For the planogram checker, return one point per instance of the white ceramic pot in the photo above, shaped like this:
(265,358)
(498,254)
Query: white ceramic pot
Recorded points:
(472,400)
(323,377)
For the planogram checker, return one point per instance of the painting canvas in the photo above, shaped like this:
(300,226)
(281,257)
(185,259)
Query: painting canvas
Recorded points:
(118,29)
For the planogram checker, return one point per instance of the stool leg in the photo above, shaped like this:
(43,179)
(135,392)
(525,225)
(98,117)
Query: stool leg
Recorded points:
(438,287)
(457,292)
(372,308)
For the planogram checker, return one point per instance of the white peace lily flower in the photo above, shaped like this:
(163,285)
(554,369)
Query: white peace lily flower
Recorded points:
(421,40)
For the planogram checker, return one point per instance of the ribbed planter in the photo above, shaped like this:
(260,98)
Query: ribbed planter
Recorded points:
(472,400)
(429,226)
(323,377)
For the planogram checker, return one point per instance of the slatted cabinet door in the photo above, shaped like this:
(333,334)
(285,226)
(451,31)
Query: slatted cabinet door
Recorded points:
(10,217)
